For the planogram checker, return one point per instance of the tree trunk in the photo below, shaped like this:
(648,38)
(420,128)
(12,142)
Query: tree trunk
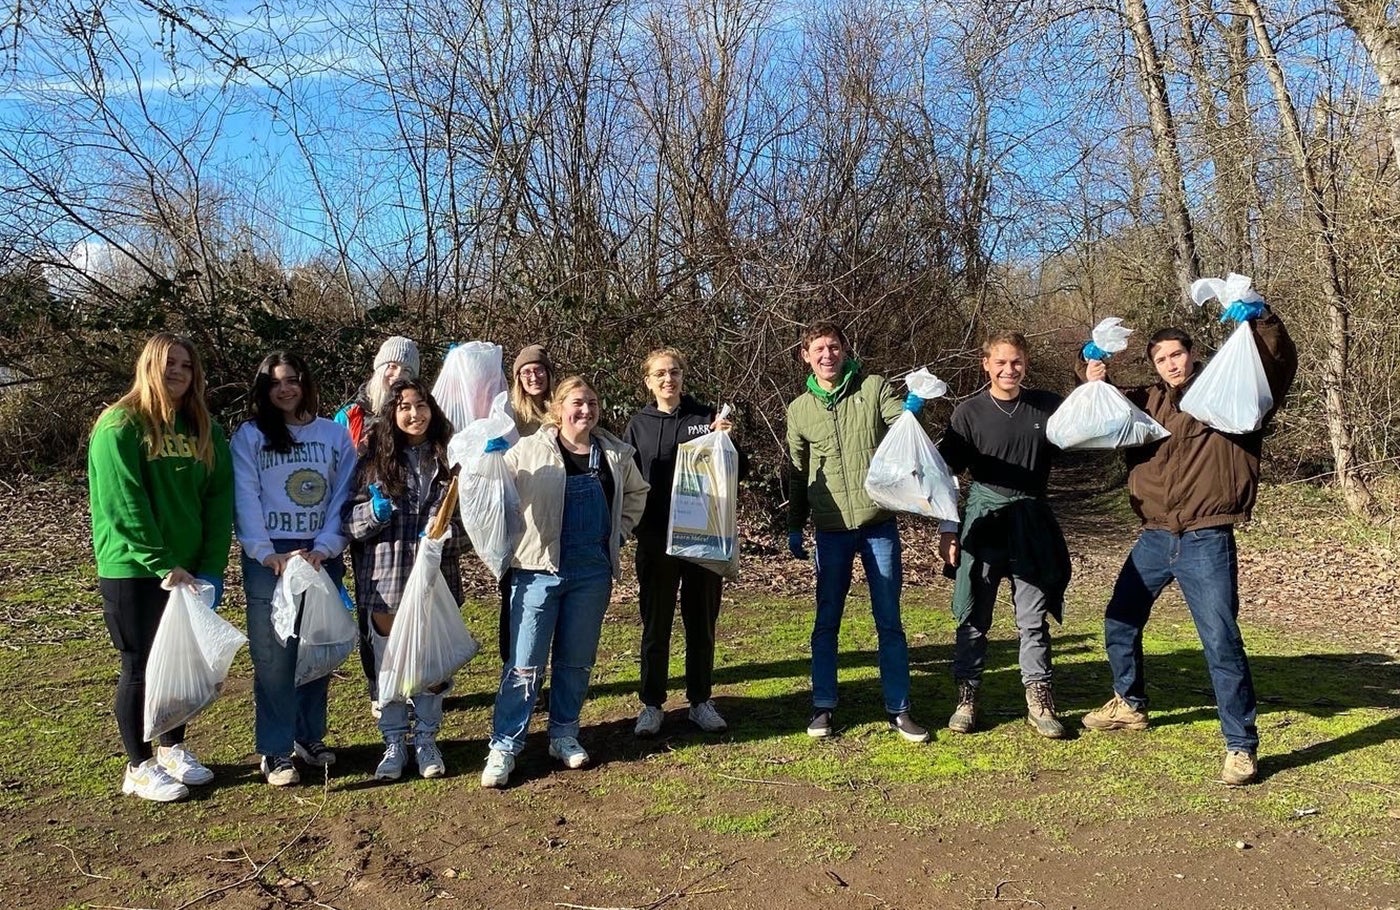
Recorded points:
(1381,38)
(1168,155)
(1319,220)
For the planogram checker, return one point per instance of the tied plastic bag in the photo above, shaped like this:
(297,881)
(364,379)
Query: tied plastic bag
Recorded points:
(1232,393)
(190,657)
(906,473)
(428,642)
(703,524)
(1098,416)
(470,380)
(327,632)
(489,501)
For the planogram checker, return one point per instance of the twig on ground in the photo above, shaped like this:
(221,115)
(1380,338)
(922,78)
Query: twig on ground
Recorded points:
(79,866)
(674,894)
(997,898)
(772,783)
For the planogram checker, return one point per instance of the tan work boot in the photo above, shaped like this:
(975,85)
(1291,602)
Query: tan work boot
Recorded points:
(1040,711)
(1116,714)
(1240,768)
(964,719)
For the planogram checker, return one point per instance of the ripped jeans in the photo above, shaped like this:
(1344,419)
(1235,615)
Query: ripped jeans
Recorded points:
(557,619)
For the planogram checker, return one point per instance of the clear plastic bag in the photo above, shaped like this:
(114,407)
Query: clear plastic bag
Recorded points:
(906,473)
(428,642)
(327,632)
(486,491)
(189,660)
(1098,416)
(1232,393)
(703,525)
(470,380)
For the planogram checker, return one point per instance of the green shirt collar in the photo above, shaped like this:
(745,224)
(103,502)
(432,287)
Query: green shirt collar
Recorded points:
(849,369)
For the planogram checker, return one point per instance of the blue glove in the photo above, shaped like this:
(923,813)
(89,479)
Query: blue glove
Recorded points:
(795,545)
(499,444)
(379,504)
(1091,351)
(345,600)
(217,584)
(913,402)
(1243,311)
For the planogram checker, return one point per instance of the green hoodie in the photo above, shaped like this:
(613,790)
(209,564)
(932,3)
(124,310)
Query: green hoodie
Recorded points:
(831,437)
(151,514)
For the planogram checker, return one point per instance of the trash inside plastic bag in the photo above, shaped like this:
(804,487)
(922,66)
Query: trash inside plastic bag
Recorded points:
(308,605)
(428,642)
(486,491)
(703,524)
(1232,393)
(1098,416)
(906,473)
(469,382)
(190,657)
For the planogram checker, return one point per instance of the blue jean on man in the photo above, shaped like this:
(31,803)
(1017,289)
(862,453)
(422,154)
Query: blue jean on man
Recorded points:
(879,549)
(559,617)
(1203,563)
(283,712)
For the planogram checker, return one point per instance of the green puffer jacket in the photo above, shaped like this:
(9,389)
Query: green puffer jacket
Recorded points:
(830,444)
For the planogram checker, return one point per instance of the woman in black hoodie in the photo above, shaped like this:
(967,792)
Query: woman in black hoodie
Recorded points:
(655,431)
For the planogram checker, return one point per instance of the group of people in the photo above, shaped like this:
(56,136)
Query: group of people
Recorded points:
(168,490)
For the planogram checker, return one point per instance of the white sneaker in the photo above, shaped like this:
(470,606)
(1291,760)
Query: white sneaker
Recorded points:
(649,721)
(428,756)
(568,751)
(279,771)
(499,764)
(149,780)
(181,764)
(391,765)
(707,718)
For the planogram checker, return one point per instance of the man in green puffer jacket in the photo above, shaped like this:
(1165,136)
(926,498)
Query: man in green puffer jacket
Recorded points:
(833,429)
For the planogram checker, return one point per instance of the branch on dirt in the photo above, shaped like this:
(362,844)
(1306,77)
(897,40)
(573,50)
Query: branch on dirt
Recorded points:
(77,865)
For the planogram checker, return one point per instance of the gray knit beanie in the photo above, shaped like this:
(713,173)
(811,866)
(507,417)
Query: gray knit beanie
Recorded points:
(402,351)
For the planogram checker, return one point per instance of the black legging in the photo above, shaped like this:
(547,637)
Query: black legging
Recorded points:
(131,608)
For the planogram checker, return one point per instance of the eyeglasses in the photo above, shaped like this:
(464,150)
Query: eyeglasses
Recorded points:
(662,374)
(534,372)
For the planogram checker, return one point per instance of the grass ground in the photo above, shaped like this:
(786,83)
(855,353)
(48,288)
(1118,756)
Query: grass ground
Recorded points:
(759,816)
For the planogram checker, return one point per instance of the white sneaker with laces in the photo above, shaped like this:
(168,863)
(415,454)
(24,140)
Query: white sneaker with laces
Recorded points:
(649,721)
(279,771)
(428,756)
(707,718)
(568,751)
(391,765)
(149,780)
(181,764)
(499,764)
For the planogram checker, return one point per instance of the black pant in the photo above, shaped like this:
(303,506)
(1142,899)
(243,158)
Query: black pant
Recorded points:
(658,577)
(504,634)
(131,608)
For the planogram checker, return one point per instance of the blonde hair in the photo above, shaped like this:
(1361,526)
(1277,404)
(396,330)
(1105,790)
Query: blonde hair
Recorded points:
(554,416)
(149,403)
(657,354)
(527,409)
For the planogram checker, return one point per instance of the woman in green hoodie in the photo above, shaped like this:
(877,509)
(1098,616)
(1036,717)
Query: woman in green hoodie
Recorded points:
(160,479)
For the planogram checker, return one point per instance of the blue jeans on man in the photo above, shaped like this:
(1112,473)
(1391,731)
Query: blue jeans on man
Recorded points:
(1203,564)
(879,548)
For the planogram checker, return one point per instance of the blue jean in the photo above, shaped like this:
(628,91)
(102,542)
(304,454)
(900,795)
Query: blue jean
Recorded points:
(282,711)
(1203,564)
(878,546)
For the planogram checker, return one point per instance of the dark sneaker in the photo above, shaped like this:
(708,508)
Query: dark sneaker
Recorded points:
(1240,768)
(317,754)
(904,725)
(819,727)
(964,718)
(1040,711)
(1116,714)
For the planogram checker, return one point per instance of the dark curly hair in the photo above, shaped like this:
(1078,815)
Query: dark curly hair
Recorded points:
(381,459)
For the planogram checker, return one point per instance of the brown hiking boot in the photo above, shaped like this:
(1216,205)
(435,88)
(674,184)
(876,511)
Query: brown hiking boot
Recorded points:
(1116,714)
(1240,768)
(964,719)
(1040,711)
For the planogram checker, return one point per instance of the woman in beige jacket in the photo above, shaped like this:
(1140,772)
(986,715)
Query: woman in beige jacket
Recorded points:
(581,493)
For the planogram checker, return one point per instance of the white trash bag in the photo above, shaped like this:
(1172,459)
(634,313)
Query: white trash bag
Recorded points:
(906,473)
(190,657)
(428,642)
(328,631)
(1098,416)
(703,525)
(1232,393)
(470,380)
(486,491)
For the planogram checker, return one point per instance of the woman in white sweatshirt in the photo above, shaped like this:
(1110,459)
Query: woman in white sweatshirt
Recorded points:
(292,474)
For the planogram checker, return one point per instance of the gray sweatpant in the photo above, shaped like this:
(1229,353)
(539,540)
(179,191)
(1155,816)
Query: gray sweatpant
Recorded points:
(1032,623)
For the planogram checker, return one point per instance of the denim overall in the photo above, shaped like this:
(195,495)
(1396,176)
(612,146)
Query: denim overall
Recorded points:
(563,610)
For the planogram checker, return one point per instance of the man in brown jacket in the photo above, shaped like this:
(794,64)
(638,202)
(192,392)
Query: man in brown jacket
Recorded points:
(1189,490)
